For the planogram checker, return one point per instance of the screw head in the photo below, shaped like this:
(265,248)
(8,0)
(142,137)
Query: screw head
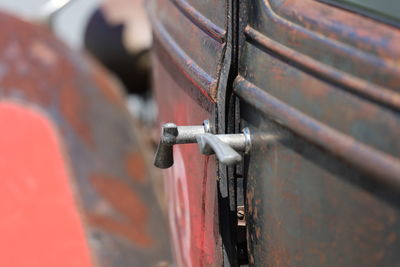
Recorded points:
(240,214)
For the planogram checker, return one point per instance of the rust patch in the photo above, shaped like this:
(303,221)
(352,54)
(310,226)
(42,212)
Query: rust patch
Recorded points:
(203,211)
(42,70)
(136,167)
(43,53)
(391,239)
(251,259)
(279,256)
(133,223)
(258,232)
(70,106)
(318,253)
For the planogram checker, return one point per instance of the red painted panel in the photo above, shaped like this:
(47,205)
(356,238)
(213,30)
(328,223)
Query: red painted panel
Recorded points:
(191,184)
(40,224)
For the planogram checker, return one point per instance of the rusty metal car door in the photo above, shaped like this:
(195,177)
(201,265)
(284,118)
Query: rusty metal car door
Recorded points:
(191,63)
(319,89)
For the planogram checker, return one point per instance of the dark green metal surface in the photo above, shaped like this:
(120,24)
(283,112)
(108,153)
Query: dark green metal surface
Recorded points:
(318,91)
(386,10)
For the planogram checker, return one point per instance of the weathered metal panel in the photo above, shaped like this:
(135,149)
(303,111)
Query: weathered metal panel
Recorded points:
(214,10)
(191,182)
(189,51)
(306,207)
(323,83)
(364,55)
(104,146)
(192,36)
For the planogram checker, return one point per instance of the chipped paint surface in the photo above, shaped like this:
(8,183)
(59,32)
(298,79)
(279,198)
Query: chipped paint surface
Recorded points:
(131,218)
(100,141)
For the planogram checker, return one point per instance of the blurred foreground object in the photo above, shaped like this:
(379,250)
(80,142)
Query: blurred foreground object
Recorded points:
(76,184)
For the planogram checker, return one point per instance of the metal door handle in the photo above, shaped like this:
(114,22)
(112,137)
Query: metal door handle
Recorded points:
(164,156)
(225,146)
(210,144)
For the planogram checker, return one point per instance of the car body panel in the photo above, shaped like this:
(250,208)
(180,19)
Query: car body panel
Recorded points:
(319,91)
(189,54)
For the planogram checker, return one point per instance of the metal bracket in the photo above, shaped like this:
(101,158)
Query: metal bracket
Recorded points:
(225,146)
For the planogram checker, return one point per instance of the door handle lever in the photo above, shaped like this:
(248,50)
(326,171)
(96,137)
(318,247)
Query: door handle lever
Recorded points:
(164,156)
(210,144)
(225,146)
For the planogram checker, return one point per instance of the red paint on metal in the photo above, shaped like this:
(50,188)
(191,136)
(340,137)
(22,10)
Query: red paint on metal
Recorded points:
(70,104)
(40,224)
(190,182)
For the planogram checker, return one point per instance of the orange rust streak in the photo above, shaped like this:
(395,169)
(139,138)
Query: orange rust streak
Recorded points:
(43,53)
(136,167)
(133,226)
(203,211)
(71,106)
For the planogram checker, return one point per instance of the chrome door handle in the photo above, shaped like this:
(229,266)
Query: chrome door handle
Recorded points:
(225,146)
(172,134)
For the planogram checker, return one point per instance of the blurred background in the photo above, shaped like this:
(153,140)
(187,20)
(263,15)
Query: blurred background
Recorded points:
(69,24)
(115,32)
(97,78)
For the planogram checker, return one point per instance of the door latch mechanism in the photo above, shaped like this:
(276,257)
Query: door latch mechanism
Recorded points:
(225,146)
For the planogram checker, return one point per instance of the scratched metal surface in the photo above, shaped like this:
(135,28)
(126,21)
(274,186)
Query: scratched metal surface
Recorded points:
(323,82)
(106,149)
